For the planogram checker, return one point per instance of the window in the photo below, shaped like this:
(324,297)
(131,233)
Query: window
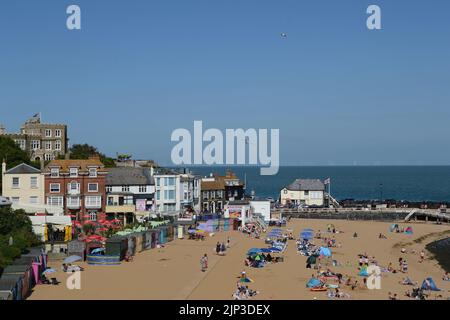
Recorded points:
(48,133)
(142,189)
(110,201)
(55,187)
(15,183)
(94,201)
(35,144)
(48,145)
(205,195)
(55,201)
(158,195)
(92,172)
(169,181)
(73,172)
(58,133)
(74,187)
(73,202)
(93,215)
(15,199)
(21,143)
(169,194)
(48,157)
(58,145)
(33,200)
(125,188)
(158,182)
(93,187)
(108,189)
(306,193)
(33,182)
(54,173)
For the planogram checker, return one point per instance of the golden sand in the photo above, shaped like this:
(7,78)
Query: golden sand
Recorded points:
(173,272)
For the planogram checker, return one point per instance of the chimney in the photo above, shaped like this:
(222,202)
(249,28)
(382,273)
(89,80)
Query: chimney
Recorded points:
(152,171)
(3,166)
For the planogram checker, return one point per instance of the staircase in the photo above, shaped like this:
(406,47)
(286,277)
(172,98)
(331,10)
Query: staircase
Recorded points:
(332,201)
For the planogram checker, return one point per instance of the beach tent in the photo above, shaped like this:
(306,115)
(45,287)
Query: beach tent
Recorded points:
(253,251)
(428,284)
(363,272)
(326,252)
(394,227)
(314,283)
(409,230)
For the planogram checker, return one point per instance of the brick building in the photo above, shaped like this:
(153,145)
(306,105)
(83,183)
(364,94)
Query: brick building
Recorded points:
(78,186)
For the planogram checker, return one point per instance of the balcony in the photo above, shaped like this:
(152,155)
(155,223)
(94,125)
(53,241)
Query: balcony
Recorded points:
(93,202)
(73,203)
(114,208)
(73,192)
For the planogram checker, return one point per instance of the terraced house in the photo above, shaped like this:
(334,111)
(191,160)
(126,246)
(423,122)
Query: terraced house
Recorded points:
(78,186)
(130,193)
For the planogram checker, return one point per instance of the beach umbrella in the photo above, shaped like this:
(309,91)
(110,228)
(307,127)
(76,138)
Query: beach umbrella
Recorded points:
(98,250)
(306,236)
(48,271)
(72,259)
(275,249)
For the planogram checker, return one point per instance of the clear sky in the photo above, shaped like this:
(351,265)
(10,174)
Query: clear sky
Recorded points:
(138,69)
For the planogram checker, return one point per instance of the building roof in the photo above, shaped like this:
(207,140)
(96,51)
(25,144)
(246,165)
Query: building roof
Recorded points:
(216,184)
(128,176)
(82,165)
(306,185)
(23,168)
(219,182)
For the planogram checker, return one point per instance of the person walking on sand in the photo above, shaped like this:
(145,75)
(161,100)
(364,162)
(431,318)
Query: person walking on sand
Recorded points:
(204,262)
(228,242)
(218,248)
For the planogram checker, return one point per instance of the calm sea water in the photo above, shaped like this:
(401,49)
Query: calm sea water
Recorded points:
(412,183)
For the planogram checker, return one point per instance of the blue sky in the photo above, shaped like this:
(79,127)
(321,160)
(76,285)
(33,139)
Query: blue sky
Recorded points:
(339,93)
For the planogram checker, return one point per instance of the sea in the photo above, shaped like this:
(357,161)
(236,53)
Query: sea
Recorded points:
(408,183)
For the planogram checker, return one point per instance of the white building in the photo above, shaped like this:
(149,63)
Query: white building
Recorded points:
(176,192)
(304,192)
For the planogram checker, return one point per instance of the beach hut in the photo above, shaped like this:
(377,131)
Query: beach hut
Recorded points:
(147,240)
(13,284)
(76,248)
(26,274)
(117,246)
(6,295)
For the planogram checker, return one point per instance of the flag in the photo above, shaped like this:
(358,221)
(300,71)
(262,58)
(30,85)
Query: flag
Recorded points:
(327,181)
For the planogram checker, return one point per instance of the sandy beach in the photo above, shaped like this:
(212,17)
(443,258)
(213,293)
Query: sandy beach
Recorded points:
(173,272)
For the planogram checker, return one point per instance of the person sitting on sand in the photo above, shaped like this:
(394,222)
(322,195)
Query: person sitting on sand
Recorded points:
(403,250)
(446,277)
(355,235)
(422,256)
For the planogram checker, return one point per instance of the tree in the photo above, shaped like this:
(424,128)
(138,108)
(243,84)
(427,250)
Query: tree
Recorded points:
(14,224)
(84,151)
